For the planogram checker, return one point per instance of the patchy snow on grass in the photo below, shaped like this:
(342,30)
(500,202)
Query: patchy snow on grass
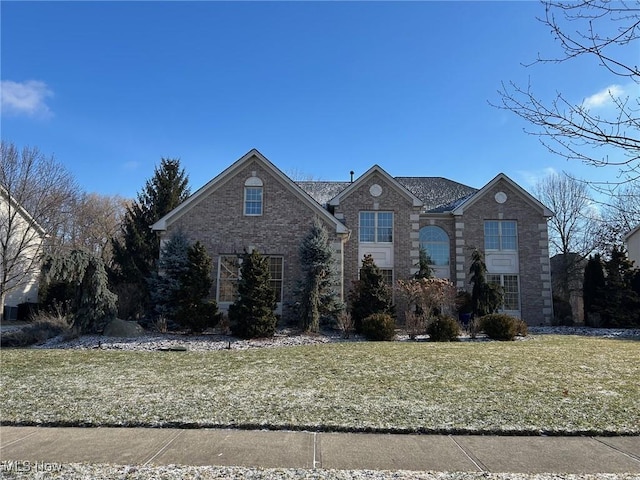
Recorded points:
(556,384)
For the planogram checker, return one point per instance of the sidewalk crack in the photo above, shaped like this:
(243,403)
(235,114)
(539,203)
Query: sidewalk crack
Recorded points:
(166,445)
(479,465)
(632,456)
(18,439)
(317,461)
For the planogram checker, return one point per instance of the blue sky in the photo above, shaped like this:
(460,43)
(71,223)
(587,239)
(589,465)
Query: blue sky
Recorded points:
(320,88)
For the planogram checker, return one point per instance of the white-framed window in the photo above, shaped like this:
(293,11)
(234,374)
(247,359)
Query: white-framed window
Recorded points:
(387,276)
(376,227)
(435,241)
(510,288)
(229,276)
(500,235)
(253,197)
(276,270)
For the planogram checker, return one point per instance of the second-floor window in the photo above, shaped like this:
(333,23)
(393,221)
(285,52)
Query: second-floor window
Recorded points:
(435,242)
(500,235)
(253,197)
(376,227)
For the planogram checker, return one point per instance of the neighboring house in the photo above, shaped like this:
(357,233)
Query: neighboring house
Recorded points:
(21,240)
(632,242)
(252,204)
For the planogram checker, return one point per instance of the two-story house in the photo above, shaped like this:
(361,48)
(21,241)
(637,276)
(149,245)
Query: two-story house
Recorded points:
(253,204)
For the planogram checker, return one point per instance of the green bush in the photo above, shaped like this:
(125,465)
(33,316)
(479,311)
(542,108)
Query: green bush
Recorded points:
(443,328)
(500,326)
(379,327)
(199,316)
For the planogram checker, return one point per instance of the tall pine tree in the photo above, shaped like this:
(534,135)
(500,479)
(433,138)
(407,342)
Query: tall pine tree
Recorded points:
(370,293)
(593,290)
(165,284)
(316,296)
(621,307)
(252,314)
(486,297)
(195,310)
(136,254)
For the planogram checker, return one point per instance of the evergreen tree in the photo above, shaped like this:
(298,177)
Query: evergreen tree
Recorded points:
(136,253)
(92,304)
(593,289)
(486,297)
(316,294)
(621,305)
(252,314)
(370,293)
(165,285)
(424,270)
(195,311)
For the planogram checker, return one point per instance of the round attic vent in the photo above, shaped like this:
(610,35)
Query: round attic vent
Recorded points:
(375,190)
(501,197)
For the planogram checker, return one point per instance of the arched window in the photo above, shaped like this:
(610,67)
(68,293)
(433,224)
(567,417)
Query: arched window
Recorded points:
(436,243)
(253,196)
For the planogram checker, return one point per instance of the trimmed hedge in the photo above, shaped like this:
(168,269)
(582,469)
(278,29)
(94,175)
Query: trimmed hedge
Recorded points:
(443,328)
(500,326)
(379,327)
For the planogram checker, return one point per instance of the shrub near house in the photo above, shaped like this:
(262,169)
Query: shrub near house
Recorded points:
(499,326)
(252,314)
(252,205)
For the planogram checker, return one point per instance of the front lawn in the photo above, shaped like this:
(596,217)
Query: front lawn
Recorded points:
(553,384)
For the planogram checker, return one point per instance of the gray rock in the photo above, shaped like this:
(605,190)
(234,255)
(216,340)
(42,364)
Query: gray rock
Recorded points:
(123,328)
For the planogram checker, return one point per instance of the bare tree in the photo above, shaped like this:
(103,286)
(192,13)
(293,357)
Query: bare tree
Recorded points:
(571,233)
(93,222)
(571,227)
(604,31)
(620,215)
(34,190)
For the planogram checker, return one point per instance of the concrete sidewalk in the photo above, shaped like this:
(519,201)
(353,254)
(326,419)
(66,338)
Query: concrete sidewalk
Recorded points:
(285,449)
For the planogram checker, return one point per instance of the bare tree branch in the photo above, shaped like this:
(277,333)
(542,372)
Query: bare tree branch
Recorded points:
(576,131)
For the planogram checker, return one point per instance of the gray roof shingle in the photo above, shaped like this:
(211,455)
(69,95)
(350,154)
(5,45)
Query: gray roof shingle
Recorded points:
(437,193)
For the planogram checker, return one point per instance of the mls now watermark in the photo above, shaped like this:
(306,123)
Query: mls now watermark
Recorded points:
(25,466)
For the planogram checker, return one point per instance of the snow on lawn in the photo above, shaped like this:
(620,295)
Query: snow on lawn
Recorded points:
(549,383)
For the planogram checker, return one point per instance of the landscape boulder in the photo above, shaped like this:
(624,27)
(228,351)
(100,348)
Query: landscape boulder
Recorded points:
(122,328)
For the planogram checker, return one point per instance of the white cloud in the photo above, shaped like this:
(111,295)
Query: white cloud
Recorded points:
(25,98)
(530,178)
(132,165)
(604,98)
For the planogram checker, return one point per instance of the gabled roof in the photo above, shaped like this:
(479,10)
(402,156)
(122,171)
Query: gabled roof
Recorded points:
(227,174)
(501,177)
(438,194)
(376,169)
(22,211)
